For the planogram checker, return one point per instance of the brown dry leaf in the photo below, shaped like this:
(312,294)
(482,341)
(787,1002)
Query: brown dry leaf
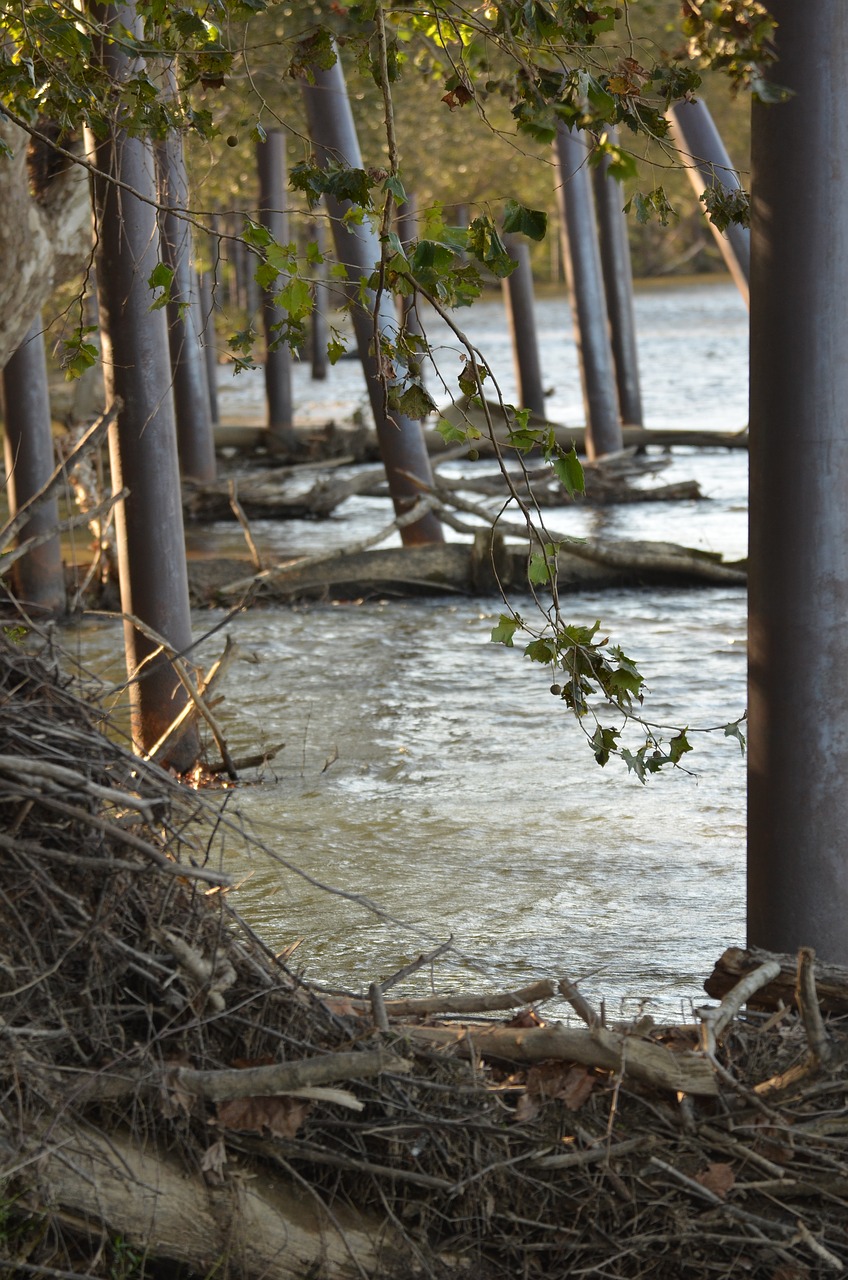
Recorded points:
(214,1159)
(774,1143)
(341,1006)
(525,1018)
(281,1116)
(175,1100)
(571,1084)
(788,1271)
(718,1178)
(526,1109)
(245,1064)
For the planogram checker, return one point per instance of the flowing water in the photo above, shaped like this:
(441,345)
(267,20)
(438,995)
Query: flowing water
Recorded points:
(460,796)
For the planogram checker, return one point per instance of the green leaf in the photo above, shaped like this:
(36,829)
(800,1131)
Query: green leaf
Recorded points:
(538,570)
(335,350)
(678,746)
(161,277)
(416,402)
(734,730)
(453,434)
(394,184)
(507,626)
(484,241)
(603,743)
(296,299)
(543,650)
(527,222)
(569,471)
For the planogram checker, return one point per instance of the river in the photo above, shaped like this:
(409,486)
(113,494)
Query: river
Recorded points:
(460,795)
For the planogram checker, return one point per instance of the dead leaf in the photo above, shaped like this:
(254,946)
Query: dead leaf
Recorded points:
(280,1116)
(526,1109)
(525,1018)
(245,1064)
(214,1159)
(787,1271)
(331,758)
(175,1099)
(570,1084)
(718,1178)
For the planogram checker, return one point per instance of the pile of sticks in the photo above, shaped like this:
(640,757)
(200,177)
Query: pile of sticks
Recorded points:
(171,1088)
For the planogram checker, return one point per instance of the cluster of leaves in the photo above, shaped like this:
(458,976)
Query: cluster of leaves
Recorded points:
(736,37)
(590,673)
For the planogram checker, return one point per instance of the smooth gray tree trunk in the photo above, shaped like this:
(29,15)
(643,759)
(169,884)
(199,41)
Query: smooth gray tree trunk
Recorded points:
(586,291)
(708,164)
(38,577)
(195,439)
(798,596)
(402,447)
(143,441)
(271,163)
(320,329)
(521,318)
(618,286)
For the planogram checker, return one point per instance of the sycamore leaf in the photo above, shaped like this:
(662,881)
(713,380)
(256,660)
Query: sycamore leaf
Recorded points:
(532,223)
(505,630)
(718,1178)
(282,1117)
(569,471)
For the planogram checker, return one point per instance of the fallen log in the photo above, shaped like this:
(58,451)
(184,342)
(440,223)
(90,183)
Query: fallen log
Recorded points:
(252,1226)
(362,445)
(463,414)
(831,980)
(456,568)
(628,1055)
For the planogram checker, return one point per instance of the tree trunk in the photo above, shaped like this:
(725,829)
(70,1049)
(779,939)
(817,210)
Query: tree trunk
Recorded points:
(143,441)
(44,239)
(798,641)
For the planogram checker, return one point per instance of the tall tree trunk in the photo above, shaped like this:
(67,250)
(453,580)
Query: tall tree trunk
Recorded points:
(195,440)
(798,640)
(586,290)
(143,441)
(402,447)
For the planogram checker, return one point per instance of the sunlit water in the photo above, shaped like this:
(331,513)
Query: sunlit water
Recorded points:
(464,800)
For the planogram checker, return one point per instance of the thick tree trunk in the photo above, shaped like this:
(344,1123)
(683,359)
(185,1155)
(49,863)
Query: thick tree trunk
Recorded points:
(798,601)
(263,1226)
(43,241)
(143,441)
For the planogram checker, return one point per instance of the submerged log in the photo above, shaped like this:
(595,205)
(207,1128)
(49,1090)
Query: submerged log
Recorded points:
(831,980)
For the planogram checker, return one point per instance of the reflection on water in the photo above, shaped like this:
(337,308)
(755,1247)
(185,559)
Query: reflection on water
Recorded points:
(464,799)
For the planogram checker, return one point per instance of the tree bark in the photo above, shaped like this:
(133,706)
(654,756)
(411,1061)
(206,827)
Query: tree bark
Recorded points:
(44,241)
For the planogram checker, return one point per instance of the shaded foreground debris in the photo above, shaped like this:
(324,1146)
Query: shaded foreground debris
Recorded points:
(171,1091)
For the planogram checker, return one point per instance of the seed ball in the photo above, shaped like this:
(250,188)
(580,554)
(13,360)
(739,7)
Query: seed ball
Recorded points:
(232,140)
(473,455)
(556,689)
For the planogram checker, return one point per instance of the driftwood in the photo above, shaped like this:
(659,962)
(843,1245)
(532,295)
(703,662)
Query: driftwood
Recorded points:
(460,568)
(149,1199)
(280,493)
(463,414)
(626,1055)
(361,444)
(831,980)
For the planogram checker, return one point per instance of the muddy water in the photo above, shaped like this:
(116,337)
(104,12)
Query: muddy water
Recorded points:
(461,797)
